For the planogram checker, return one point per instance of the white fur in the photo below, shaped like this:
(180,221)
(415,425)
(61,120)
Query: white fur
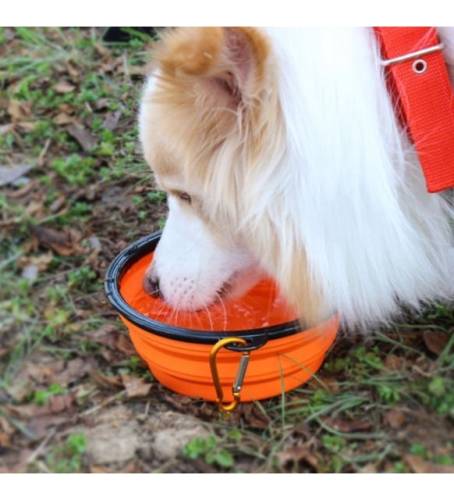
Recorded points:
(186,251)
(346,189)
(374,237)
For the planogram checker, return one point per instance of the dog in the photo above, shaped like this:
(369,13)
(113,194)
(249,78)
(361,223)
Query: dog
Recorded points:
(281,154)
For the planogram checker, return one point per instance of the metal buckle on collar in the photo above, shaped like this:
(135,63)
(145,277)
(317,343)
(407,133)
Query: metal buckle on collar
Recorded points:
(412,55)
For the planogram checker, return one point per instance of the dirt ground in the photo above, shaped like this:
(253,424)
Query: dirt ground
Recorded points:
(74,396)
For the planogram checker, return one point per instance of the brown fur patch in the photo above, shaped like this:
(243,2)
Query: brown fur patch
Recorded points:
(216,145)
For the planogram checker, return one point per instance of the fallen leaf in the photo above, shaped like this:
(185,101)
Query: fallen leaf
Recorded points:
(35,207)
(297,455)
(63,119)
(419,465)
(39,426)
(8,175)
(253,416)
(136,70)
(73,70)
(56,404)
(102,103)
(111,120)
(4,440)
(135,386)
(27,126)
(101,50)
(394,362)
(107,381)
(435,341)
(124,345)
(395,418)
(86,140)
(23,191)
(344,425)
(63,87)
(18,110)
(103,333)
(5,426)
(64,242)
(41,261)
(58,204)
(74,370)
(19,388)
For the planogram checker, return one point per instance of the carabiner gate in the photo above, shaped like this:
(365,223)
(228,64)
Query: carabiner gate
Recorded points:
(238,383)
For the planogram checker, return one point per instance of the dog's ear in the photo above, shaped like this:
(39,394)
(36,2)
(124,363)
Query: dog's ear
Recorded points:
(221,66)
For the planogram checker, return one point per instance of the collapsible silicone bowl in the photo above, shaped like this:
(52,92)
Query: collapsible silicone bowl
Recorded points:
(205,362)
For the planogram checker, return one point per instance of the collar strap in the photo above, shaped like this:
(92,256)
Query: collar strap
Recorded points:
(419,82)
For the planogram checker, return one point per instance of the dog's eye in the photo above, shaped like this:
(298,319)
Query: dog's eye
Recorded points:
(185,197)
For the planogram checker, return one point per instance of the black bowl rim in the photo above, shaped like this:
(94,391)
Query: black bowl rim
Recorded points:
(126,258)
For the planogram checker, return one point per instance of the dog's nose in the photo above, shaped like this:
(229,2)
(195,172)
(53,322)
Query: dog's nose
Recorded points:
(151,285)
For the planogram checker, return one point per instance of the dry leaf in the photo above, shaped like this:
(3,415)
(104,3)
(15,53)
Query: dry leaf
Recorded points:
(63,119)
(62,242)
(41,262)
(63,87)
(27,126)
(344,425)
(135,386)
(58,204)
(86,140)
(136,70)
(73,70)
(394,362)
(35,207)
(56,404)
(418,465)
(18,110)
(8,175)
(297,455)
(124,345)
(4,440)
(106,380)
(102,103)
(435,341)
(74,370)
(395,418)
(111,120)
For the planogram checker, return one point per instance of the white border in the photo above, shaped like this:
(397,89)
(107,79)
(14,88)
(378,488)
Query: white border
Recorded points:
(226,486)
(225,12)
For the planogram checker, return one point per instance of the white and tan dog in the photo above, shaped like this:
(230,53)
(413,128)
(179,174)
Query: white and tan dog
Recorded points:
(281,153)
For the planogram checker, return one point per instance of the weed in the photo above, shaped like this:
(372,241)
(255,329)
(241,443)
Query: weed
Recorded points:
(84,279)
(41,397)
(74,169)
(210,451)
(68,457)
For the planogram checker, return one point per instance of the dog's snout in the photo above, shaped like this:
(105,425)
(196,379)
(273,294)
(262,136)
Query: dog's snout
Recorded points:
(151,285)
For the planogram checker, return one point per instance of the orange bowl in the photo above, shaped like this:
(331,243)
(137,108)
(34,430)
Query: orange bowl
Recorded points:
(177,347)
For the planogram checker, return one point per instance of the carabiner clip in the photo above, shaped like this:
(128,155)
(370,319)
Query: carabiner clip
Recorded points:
(238,383)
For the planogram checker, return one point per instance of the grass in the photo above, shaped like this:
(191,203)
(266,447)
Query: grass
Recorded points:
(377,400)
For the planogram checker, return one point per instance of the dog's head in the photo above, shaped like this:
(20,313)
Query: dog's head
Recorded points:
(209,122)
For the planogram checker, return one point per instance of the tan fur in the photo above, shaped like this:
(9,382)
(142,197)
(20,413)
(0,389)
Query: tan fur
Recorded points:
(215,145)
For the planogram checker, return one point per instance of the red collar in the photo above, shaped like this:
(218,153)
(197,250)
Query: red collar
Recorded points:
(424,96)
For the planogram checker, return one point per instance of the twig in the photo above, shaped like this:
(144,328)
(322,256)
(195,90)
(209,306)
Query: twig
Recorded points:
(106,402)
(41,447)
